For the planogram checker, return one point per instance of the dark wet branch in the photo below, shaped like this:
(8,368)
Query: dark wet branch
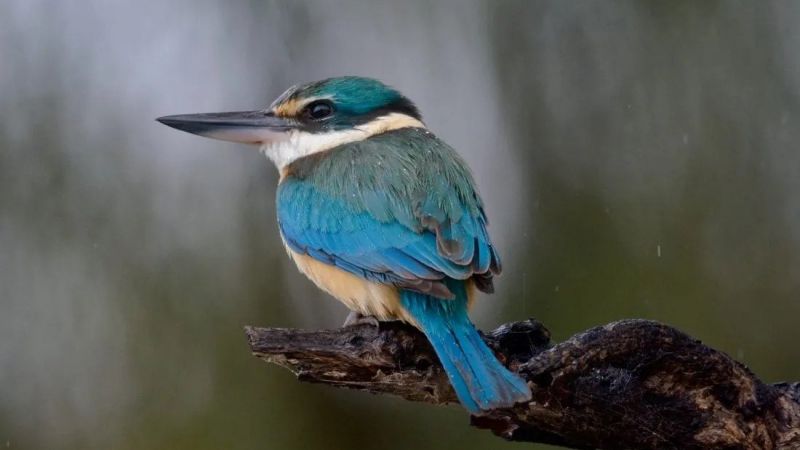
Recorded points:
(631,384)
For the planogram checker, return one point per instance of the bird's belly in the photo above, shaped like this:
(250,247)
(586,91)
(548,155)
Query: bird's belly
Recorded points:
(365,297)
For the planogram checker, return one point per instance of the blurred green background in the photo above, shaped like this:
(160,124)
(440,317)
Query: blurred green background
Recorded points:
(638,159)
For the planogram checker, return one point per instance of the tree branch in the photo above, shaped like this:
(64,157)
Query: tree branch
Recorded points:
(632,384)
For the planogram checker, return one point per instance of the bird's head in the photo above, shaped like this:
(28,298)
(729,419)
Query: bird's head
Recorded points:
(309,118)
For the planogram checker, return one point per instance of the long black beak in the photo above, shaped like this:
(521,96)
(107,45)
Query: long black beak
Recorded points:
(249,127)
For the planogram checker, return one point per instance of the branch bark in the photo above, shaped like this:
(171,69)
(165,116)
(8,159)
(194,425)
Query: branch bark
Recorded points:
(632,384)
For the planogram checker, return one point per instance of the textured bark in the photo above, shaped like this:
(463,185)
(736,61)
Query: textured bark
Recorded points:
(632,384)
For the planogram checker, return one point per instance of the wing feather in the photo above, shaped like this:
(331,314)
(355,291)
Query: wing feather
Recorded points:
(412,222)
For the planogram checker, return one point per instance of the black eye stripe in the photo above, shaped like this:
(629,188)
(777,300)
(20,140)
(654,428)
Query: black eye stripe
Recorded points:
(323,115)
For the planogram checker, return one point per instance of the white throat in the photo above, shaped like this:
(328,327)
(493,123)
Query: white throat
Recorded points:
(297,144)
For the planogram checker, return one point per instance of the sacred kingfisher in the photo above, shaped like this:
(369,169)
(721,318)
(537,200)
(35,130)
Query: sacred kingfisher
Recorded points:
(381,214)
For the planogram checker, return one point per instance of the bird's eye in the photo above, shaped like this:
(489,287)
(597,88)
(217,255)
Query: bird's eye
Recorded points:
(319,110)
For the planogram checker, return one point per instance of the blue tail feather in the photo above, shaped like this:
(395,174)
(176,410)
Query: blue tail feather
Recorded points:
(481,382)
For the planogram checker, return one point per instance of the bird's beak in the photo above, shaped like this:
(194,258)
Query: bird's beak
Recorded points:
(248,127)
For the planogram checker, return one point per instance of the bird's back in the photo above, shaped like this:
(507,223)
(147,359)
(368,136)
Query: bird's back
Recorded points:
(399,207)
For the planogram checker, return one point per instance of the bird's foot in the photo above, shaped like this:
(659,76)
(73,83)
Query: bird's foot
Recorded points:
(356,318)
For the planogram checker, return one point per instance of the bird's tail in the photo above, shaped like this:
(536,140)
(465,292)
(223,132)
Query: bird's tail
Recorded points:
(478,378)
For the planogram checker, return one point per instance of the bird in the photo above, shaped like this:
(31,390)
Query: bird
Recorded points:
(382,215)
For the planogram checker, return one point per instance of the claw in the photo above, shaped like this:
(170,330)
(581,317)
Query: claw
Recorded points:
(356,318)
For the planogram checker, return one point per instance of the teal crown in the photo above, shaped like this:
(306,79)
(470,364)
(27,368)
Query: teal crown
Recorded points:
(354,100)
(356,95)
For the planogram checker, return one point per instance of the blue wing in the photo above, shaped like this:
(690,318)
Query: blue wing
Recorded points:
(411,230)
